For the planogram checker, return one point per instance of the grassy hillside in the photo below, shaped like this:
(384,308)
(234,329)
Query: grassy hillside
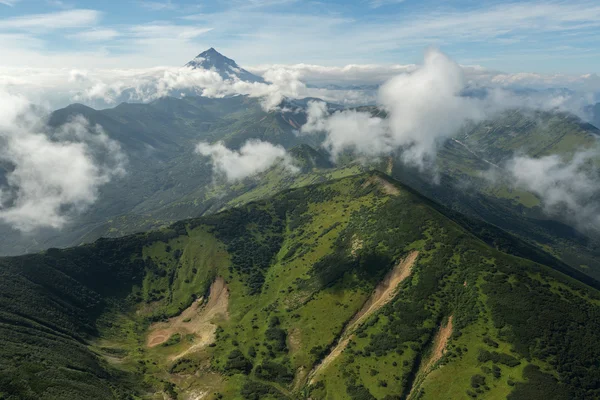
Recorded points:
(356,288)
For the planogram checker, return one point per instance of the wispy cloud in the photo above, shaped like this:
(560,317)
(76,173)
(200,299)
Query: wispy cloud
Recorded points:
(265,3)
(168,31)
(59,4)
(158,5)
(52,21)
(9,3)
(268,30)
(376,74)
(95,35)
(566,187)
(381,3)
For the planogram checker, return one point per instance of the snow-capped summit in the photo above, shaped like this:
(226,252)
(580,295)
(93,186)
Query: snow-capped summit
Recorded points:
(226,67)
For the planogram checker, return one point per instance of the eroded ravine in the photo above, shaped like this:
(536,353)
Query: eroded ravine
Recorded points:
(196,319)
(384,293)
(440,341)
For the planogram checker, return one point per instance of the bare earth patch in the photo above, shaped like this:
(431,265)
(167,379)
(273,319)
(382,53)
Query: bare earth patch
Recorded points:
(196,320)
(294,340)
(357,244)
(387,187)
(439,345)
(384,293)
(440,341)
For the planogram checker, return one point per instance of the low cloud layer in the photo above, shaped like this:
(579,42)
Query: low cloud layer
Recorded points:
(55,88)
(50,174)
(428,105)
(348,85)
(477,76)
(568,188)
(254,157)
(425,106)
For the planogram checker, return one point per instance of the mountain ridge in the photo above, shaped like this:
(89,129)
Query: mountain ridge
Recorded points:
(296,268)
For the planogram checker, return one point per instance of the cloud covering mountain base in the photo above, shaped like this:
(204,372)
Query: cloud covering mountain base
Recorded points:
(253,157)
(51,174)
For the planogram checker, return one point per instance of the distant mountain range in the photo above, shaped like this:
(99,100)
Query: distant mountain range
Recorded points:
(211,59)
(352,279)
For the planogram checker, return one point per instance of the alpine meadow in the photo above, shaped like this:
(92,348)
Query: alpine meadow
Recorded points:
(378,200)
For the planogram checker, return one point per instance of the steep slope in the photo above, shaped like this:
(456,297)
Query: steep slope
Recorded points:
(535,133)
(464,160)
(226,67)
(285,279)
(159,139)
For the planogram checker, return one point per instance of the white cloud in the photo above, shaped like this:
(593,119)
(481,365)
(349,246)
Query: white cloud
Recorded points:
(10,3)
(381,3)
(264,3)
(259,34)
(95,35)
(52,21)
(349,129)
(351,74)
(424,108)
(53,174)
(316,117)
(377,74)
(167,31)
(485,24)
(106,87)
(254,157)
(57,87)
(59,4)
(567,187)
(492,23)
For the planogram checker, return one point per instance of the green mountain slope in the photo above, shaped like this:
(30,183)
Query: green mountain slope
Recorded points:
(535,133)
(356,288)
(159,139)
(461,186)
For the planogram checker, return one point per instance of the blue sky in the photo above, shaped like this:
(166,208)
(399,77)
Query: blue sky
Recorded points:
(545,36)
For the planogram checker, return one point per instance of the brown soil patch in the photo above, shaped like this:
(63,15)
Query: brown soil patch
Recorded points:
(390,165)
(440,341)
(386,186)
(200,320)
(293,124)
(337,350)
(294,340)
(383,294)
(385,290)
(198,395)
(439,345)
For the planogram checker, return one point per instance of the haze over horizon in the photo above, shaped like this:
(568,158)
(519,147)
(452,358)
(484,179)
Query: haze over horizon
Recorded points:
(543,36)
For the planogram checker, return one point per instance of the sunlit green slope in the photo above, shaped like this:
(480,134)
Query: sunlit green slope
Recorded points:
(356,288)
